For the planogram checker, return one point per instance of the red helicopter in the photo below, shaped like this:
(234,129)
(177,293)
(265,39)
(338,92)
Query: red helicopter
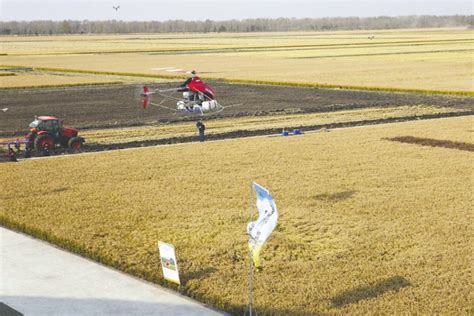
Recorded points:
(198,97)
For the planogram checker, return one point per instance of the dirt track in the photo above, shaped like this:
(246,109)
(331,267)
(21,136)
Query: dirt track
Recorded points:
(115,106)
(261,132)
(119,106)
(433,142)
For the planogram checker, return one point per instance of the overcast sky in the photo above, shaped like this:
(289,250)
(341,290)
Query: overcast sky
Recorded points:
(161,10)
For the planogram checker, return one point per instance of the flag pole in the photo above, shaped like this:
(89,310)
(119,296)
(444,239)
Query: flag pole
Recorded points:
(250,257)
(250,284)
(259,230)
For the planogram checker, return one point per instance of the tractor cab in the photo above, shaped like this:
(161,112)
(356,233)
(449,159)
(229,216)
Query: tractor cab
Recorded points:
(48,124)
(47,131)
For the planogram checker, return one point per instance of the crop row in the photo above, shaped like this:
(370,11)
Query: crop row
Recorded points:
(265,48)
(258,82)
(348,87)
(147,133)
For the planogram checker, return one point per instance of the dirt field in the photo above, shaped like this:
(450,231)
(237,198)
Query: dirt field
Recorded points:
(119,106)
(433,142)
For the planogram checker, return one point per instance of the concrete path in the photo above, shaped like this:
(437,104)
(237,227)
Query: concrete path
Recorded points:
(39,279)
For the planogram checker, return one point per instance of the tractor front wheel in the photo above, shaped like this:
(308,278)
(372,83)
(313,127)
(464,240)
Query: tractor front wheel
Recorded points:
(44,142)
(75,143)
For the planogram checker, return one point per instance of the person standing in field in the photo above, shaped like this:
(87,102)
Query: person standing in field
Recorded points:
(201,128)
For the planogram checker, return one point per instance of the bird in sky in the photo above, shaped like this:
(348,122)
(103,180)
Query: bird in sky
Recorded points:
(116,8)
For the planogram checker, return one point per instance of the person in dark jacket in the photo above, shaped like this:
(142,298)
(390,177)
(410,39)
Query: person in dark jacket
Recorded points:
(189,95)
(201,128)
(184,85)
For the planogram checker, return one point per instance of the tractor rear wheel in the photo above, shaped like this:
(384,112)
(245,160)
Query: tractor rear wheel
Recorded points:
(44,142)
(75,143)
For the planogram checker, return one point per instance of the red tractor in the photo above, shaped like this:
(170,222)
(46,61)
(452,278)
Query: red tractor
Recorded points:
(46,132)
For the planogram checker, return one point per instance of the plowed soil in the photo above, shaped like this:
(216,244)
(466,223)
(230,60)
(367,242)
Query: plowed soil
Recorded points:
(433,142)
(119,106)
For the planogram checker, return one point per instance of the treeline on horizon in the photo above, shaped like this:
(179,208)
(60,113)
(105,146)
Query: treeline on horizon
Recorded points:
(246,25)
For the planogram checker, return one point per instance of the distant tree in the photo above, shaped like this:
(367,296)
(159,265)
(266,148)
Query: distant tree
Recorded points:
(207,26)
(65,27)
(246,25)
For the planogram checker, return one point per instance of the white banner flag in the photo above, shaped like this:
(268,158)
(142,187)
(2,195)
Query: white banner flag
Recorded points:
(168,262)
(260,229)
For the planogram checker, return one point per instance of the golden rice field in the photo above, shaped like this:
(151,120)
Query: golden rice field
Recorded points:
(426,59)
(153,132)
(91,43)
(39,79)
(80,44)
(366,226)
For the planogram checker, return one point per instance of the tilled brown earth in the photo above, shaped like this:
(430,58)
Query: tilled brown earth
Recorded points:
(119,106)
(250,133)
(433,142)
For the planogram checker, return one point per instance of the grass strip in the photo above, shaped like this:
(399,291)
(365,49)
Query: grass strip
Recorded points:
(82,250)
(386,54)
(111,73)
(261,82)
(347,87)
(63,85)
(268,123)
(298,48)
(234,49)
(79,249)
(51,238)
